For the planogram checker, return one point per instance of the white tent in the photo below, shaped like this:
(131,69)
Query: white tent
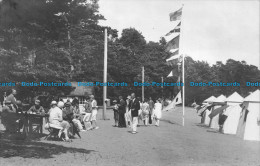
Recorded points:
(210,99)
(217,104)
(249,122)
(232,113)
(234,99)
(205,116)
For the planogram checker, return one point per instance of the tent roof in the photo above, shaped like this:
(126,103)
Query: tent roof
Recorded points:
(221,98)
(253,97)
(235,97)
(210,99)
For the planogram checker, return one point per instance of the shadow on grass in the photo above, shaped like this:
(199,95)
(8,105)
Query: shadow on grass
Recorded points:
(214,131)
(202,125)
(170,122)
(17,146)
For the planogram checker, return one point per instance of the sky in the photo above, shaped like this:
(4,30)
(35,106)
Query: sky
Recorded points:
(212,30)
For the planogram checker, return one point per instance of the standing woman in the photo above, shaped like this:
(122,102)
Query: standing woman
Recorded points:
(151,107)
(157,112)
(145,112)
(94,112)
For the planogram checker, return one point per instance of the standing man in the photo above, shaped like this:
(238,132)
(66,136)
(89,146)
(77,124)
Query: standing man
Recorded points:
(128,118)
(134,106)
(12,98)
(121,109)
(94,112)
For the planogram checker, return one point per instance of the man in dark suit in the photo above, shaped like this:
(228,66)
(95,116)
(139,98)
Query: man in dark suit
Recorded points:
(121,109)
(134,106)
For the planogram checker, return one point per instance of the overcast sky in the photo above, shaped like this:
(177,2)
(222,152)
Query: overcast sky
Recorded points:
(212,30)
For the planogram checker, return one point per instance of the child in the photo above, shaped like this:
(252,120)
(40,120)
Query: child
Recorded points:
(116,113)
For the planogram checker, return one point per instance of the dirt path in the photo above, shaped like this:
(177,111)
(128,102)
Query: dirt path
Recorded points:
(167,145)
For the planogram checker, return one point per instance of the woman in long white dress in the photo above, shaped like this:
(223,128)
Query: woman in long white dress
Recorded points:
(145,112)
(157,112)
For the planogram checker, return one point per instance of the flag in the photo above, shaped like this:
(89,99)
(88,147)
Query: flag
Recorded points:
(176,100)
(173,43)
(175,59)
(176,15)
(170,75)
(177,29)
(171,37)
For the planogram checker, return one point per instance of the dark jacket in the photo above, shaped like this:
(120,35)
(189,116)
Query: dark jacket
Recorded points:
(134,106)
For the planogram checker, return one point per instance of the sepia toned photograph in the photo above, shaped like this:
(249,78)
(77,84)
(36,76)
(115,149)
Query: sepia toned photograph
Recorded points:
(129,82)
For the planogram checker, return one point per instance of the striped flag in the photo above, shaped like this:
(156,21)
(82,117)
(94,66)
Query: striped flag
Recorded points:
(174,16)
(176,29)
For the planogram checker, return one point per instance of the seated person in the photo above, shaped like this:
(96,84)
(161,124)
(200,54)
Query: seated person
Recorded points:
(68,115)
(78,117)
(56,120)
(67,112)
(37,108)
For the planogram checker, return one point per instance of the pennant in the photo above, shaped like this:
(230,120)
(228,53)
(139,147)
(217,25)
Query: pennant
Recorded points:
(177,29)
(176,100)
(170,75)
(71,67)
(174,16)
(179,80)
(173,50)
(174,57)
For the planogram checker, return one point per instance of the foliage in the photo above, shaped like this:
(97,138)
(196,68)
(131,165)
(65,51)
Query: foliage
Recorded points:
(61,41)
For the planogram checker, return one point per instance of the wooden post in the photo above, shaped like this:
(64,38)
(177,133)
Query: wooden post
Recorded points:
(105,77)
(162,87)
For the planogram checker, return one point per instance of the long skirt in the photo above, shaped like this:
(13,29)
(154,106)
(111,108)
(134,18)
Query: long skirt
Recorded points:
(121,119)
(157,114)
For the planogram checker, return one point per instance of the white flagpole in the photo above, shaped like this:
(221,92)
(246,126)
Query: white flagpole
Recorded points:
(183,91)
(105,76)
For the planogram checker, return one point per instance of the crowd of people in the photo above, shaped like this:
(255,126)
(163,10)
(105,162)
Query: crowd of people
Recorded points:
(66,116)
(132,111)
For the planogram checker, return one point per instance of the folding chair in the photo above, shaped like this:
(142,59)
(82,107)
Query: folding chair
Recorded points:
(53,130)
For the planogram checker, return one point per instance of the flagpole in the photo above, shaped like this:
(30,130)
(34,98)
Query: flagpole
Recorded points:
(183,91)
(143,83)
(105,77)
